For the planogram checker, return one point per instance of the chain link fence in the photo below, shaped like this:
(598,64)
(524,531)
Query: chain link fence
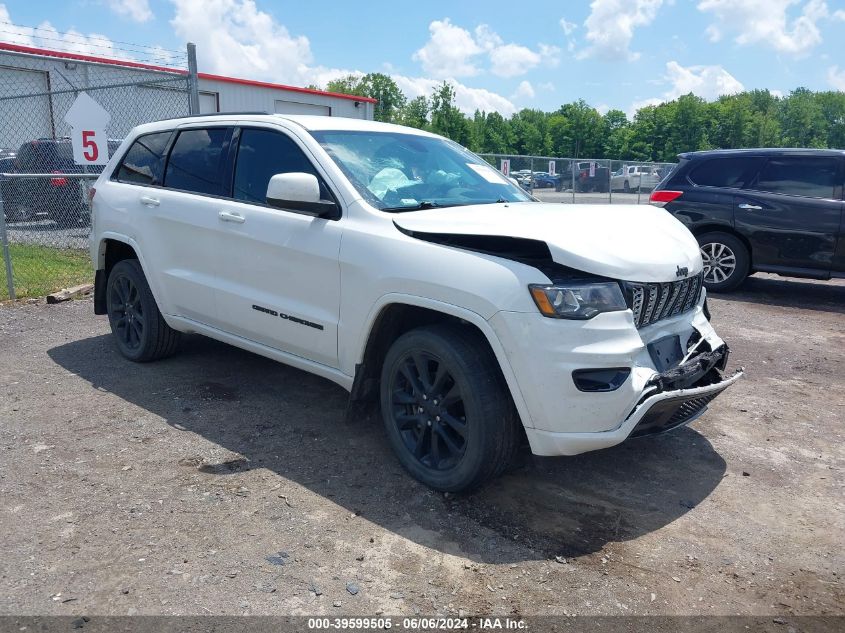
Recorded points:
(582,180)
(44,213)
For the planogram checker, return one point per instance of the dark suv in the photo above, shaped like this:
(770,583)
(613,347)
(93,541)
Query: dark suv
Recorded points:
(63,200)
(761,210)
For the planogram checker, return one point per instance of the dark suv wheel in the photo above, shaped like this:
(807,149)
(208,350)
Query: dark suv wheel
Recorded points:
(139,329)
(446,408)
(726,261)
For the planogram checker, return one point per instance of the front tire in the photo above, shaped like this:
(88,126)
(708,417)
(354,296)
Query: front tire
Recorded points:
(726,261)
(446,408)
(139,329)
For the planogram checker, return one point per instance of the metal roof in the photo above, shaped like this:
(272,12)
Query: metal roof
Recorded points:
(44,52)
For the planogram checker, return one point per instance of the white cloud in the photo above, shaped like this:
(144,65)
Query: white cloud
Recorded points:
(234,37)
(549,55)
(523,91)
(467,99)
(453,51)
(449,52)
(568,31)
(22,35)
(512,60)
(611,25)
(45,35)
(135,10)
(767,22)
(568,27)
(708,82)
(836,78)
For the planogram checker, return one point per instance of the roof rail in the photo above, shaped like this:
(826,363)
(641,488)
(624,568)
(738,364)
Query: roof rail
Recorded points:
(191,116)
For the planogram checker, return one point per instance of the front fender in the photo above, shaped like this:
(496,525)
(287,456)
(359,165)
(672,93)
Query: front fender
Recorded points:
(459,312)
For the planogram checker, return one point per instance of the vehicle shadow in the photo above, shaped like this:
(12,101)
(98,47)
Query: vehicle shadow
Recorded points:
(293,423)
(825,296)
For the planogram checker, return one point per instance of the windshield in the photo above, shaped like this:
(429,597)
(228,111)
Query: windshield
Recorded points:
(406,172)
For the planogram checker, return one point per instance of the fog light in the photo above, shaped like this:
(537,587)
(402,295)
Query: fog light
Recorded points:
(600,380)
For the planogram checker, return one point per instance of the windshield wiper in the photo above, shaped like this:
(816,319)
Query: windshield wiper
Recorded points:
(425,204)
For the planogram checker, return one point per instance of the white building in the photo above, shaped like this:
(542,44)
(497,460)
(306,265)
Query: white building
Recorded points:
(38,85)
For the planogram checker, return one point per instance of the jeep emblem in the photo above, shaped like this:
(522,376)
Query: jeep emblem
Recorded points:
(682,272)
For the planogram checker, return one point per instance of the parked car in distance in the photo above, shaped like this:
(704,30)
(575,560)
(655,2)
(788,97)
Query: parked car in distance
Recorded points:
(7,165)
(634,178)
(63,200)
(543,179)
(589,176)
(761,210)
(407,270)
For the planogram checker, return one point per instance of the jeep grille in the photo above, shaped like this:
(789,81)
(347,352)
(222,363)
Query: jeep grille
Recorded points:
(652,302)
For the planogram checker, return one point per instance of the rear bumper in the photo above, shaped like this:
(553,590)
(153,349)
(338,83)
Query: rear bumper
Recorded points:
(656,413)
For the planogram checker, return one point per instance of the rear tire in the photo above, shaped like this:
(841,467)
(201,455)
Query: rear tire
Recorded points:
(139,329)
(446,408)
(726,261)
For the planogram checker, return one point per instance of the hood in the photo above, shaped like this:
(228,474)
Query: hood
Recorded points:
(627,242)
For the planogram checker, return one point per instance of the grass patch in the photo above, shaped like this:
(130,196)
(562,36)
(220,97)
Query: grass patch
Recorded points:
(40,270)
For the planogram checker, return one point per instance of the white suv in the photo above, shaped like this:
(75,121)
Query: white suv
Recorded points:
(404,268)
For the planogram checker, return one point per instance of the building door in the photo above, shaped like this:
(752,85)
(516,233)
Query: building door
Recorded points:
(27,116)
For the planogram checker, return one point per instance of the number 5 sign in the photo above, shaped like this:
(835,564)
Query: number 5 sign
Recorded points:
(88,121)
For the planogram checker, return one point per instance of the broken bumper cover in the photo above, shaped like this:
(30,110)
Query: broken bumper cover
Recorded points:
(656,413)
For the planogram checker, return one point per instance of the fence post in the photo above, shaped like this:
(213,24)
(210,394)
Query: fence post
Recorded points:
(572,167)
(639,184)
(193,80)
(7,256)
(532,175)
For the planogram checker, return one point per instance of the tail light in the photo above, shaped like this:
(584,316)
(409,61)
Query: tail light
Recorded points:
(58,182)
(662,197)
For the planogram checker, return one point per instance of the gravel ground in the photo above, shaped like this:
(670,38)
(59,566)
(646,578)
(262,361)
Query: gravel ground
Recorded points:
(219,482)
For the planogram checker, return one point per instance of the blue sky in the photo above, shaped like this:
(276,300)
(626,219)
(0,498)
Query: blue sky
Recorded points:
(501,55)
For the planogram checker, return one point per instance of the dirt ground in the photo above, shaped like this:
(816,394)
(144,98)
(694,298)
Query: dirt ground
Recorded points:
(219,482)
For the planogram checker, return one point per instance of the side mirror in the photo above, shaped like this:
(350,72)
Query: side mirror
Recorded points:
(299,191)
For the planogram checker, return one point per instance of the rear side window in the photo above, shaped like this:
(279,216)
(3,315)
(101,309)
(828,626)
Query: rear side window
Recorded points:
(725,172)
(197,161)
(800,176)
(263,154)
(143,162)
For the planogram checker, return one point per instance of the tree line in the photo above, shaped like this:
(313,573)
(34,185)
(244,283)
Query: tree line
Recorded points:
(755,118)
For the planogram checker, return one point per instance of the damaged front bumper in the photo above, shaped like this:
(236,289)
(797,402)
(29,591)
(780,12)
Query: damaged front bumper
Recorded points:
(676,369)
(672,399)
(681,394)
(657,413)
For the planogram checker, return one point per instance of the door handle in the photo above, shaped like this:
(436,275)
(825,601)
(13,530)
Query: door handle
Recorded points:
(225,216)
(750,207)
(149,201)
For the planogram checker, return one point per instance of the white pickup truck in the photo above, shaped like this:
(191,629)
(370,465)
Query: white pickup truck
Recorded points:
(633,178)
(404,268)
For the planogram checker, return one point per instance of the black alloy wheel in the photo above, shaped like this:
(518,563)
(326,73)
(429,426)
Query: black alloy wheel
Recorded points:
(140,331)
(428,410)
(126,311)
(446,407)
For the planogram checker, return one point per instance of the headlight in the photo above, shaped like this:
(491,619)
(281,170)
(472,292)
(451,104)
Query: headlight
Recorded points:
(578,300)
